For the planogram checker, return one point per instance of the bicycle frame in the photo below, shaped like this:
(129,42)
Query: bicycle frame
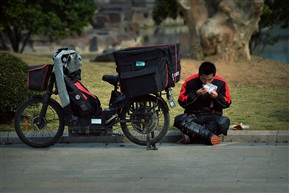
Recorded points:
(45,98)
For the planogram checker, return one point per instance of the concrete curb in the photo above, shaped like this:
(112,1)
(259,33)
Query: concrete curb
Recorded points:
(262,136)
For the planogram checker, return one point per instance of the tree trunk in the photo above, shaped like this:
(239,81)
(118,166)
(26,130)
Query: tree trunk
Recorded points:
(25,38)
(2,37)
(14,35)
(224,27)
(190,10)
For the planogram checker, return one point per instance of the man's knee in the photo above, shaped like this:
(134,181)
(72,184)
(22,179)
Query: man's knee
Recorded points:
(179,120)
(223,123)
(185,122)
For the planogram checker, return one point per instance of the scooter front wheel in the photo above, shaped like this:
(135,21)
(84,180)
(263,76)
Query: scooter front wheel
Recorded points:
(143,115)
(35,132)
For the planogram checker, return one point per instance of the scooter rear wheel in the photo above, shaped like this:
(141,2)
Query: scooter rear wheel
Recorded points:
(145,114)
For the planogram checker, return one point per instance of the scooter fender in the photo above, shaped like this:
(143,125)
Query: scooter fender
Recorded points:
(164,103)
(51,100)
(160,99)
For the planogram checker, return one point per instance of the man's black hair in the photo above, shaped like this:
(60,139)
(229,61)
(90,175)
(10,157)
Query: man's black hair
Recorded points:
(207,68)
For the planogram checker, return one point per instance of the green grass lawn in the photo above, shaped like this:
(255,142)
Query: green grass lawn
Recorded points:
(262,108)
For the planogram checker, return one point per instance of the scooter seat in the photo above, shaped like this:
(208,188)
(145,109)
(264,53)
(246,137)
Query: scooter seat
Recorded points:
(112,79)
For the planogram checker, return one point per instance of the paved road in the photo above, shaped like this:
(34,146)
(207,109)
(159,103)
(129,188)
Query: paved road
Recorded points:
(125,167)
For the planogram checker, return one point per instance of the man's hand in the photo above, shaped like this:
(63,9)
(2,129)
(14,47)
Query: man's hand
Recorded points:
(201,91)
(214,94)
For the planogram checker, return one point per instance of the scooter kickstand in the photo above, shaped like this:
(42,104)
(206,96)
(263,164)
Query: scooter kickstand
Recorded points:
(149,146)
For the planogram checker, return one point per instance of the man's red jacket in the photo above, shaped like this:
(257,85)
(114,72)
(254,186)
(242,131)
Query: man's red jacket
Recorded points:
(204,104)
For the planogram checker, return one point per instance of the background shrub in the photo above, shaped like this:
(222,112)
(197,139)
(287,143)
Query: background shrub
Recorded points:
(13,75)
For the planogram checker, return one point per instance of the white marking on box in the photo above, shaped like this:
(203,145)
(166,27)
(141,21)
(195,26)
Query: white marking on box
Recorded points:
(95,121)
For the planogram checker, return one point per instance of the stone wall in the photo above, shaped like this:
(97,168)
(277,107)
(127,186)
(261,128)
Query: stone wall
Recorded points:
(116,25)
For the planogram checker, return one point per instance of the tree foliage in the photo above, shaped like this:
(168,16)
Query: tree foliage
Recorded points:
(55,18)
(275,14)
(165,9)
(13,75)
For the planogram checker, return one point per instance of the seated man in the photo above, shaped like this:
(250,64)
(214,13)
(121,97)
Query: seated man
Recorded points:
(204,96)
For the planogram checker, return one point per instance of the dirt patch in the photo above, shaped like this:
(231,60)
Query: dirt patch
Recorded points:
(258,71)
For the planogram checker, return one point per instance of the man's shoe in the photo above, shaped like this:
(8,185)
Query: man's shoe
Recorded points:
(186,139)
(214,140)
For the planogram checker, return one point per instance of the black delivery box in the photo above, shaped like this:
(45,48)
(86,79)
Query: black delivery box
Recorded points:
(149,69)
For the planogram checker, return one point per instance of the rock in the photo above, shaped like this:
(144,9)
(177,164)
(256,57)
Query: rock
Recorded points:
(106,56)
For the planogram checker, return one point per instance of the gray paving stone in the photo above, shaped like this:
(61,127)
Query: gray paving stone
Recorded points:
(97,167)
